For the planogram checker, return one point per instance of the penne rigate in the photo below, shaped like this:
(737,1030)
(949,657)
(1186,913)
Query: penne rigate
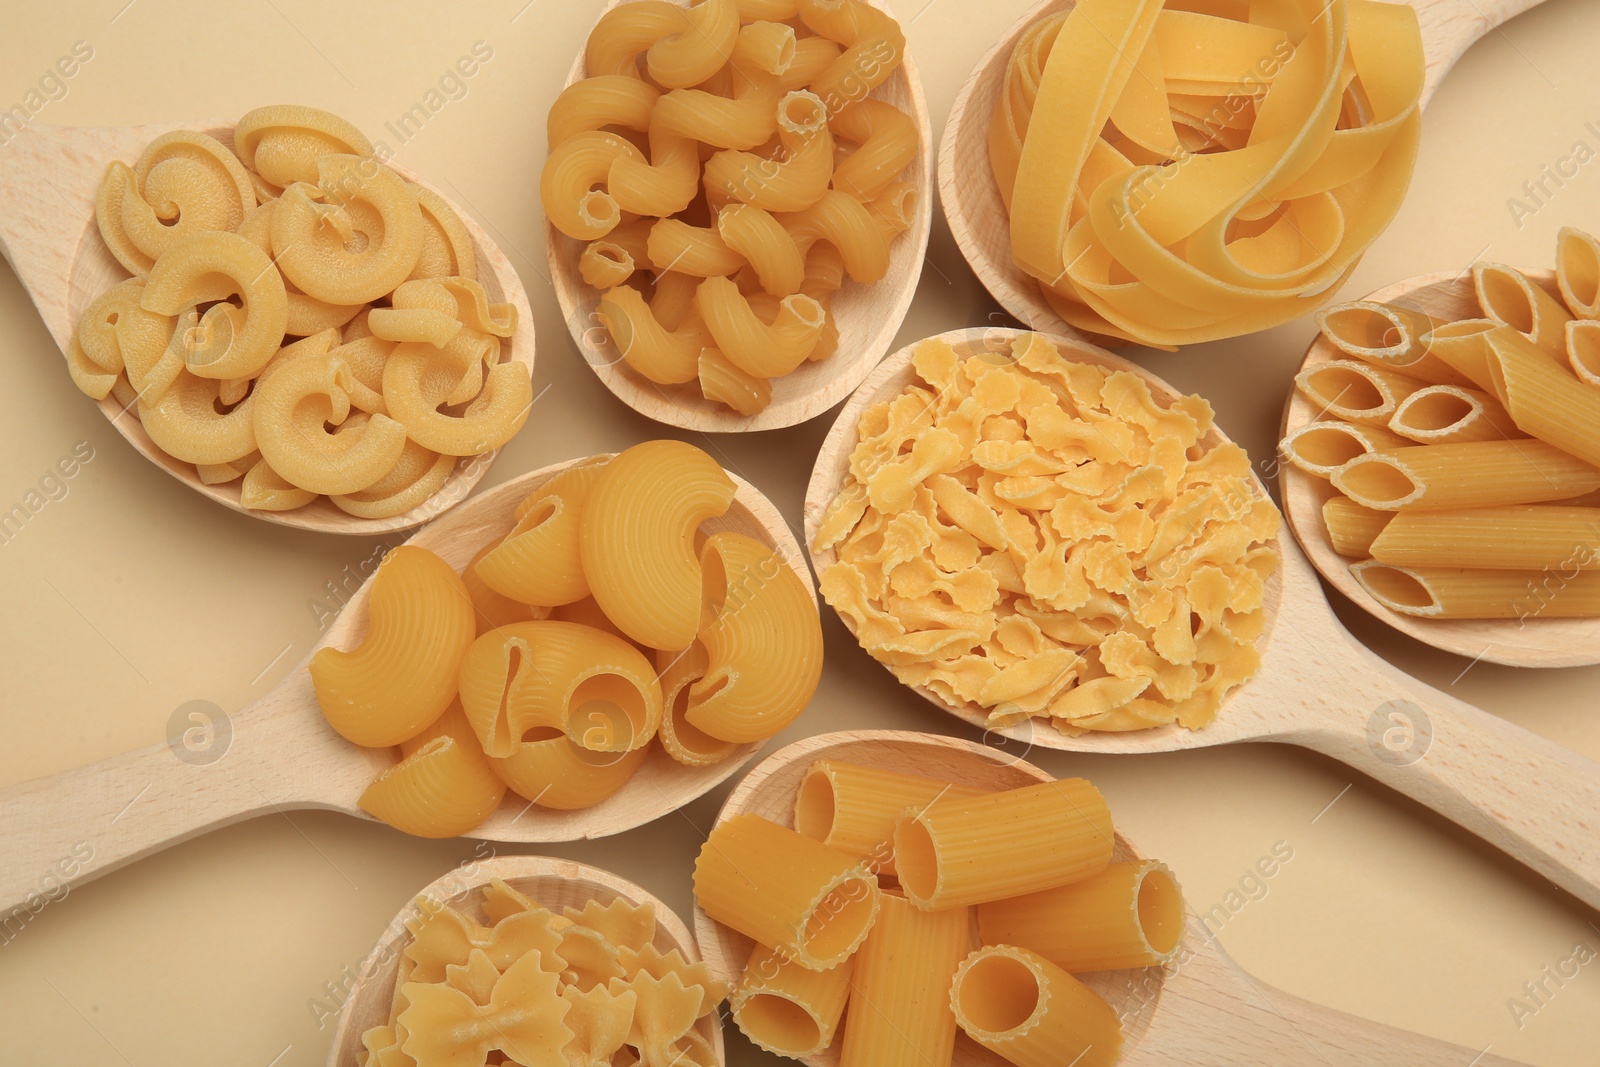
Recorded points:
(1494,538)
(1356,392)
(1474,474)
(1351,527)
(1445,414)
(1322,447)
(1456,593)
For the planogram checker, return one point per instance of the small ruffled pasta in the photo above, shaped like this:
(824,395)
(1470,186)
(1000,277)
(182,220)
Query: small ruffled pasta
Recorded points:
(312,235)
(185,183)
(637,539)
(403,675)
(762,638)
(294,407)
(539,560)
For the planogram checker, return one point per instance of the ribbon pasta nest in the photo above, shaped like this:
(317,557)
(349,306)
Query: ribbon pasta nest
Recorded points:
(301,319)
(1038,537)
(1186,172)
(602,622)
(587,987)
(727,171)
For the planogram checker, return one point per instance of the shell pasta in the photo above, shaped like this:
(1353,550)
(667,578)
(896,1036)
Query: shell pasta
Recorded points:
(245,332)
(734,136)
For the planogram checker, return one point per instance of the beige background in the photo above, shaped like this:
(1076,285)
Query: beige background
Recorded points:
(134,595)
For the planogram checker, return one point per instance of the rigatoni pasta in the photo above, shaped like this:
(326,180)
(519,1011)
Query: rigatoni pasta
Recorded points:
(1021,1006)
(854,809)
(899,1001)
(1128,915)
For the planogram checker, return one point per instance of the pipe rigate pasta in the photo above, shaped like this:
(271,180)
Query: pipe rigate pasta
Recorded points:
(314,226)
(873,44)
(722,381)
(764,349)
(403,675)
(768,46)
(762,638)
(441,789)
(637,539)
(183,184)
(886,143)
(555,773)
(757,236)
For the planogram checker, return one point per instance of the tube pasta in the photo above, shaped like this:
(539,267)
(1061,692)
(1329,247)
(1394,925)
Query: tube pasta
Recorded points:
(666,184)
(1441,414)
(1322,447)
(539,560)
(662,355)
(1544,399)
(1129,915)
(785,891)
(1351,527)
(1473,474)
(796,178)
(311,237)
(600,101)
(185,183)
(787,1009)
(967,852)
(283,143)
(1578,272)
(294,406)
(690,55)
(636,539)
(1455,593)
(850,227)
(698,251)
(1024,1008)
(874,47)
(1507,296)
(742,122)
(761,349)
(765,45)
(763,641)
(1388,336)
(899,1003)
(854,809)
(1493,538)
(606,264)
(568,187)
(760,240)
(402,676)
(886,144)
(1354,391)
(723,381)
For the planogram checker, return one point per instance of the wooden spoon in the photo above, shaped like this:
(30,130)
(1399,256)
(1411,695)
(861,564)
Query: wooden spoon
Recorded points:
(1317,688)
(1534,643)
(972,203)
(280,754)
(1201,1009)
(48,180)
(554,883)
(868,316)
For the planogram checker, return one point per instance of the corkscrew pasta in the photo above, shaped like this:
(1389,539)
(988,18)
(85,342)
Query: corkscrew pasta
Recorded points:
(250,342)
(1466,498)
(705,142)
(593,633)
(925,968)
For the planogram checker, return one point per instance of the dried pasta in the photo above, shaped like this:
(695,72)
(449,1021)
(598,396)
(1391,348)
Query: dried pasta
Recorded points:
(1021,1006)
(1129,915)
(249,337)
(1036,537)
(1477,509)
(712,131)
(900,1001)
(854,808)
(787,1009)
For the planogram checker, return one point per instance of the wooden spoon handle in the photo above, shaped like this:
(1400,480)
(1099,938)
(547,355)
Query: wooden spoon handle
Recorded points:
(1450,27)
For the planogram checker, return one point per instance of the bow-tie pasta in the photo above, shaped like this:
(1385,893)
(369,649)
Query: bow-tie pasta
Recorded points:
(301,319)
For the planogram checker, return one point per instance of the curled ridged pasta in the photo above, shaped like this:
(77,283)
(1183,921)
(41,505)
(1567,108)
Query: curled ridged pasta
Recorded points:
(849,226)
(419,378)
(660,354)
(637,539)
(306,315)
(699,251)
(283,142)
(294,407)
(743,121)
(442,789)
(758,237)
(568,186)
(762,639)
(185,422)
(555,773)
(416,475)
(601,101)
(886,141)
(228,341)
(768,46)
(403,674)
(684,741)
(760,348)
(264,489)
(185,183)
(721,380)
(794,179)
(539,561)
(1143,221)
(699,49)
(447,249)
(873,47)
(313,227)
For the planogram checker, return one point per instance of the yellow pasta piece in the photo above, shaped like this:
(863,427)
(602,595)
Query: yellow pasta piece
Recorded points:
(684,741)
(762,349)
(1583,350)
(762,242)
(420,378)
(533,680)
(1442,414)
(765,44)
(637,539)
(1493,538)
(1355,392)
(292,410)
(442,789)
(447,247)
(762,638)
(886,140)
(568,187)
(1389,336)
(1544,399)
(523,1018)
(283,142)
(312,238)
(661,355)
(555,773)
(264,489)
(1024,1008)
(1474,474)
(744,121)
(847,224)
(621,922)
(403,674)
(787,1009)
(184,183)
(1507,296)
(1457,593)
(1464,346)
(698,251)
(1129,915)
(227,341)
(899,1003)
(539,561)
(626,32)
(598,101)
(415,477)
(1578,272)
(722,381)
(600,1021)
(699,49)
(785,891)
(1351,527)
(1003,844)
(606,264)
(854,809)
(185,422)
(793,181)
(874,47)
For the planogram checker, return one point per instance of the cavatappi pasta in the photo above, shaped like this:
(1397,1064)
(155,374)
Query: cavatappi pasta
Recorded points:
(1042,538)
(527,985)
(911,978)
(1183,172)
(1468,497)
(301,320)
(548,666)
(726,151)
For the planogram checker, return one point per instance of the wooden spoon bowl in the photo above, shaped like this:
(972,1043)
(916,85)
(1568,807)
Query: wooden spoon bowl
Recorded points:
(1317,686)
(280,754)
(1199,1009)
(48,180)
(868,316)
(1533,642)
(554,883)
(972,204)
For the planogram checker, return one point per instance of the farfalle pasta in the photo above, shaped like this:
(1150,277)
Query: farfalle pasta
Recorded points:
(711,148)
(588,987)
(1177,173)
(1032,537)
(601,629)
(302,320)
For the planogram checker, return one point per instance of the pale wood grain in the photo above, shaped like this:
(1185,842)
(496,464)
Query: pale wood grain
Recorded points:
(48,179)
(1317,688)
(868,316)
(554,883)
(1535,642)
(1199,1009)
(972,205)
(284,756)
